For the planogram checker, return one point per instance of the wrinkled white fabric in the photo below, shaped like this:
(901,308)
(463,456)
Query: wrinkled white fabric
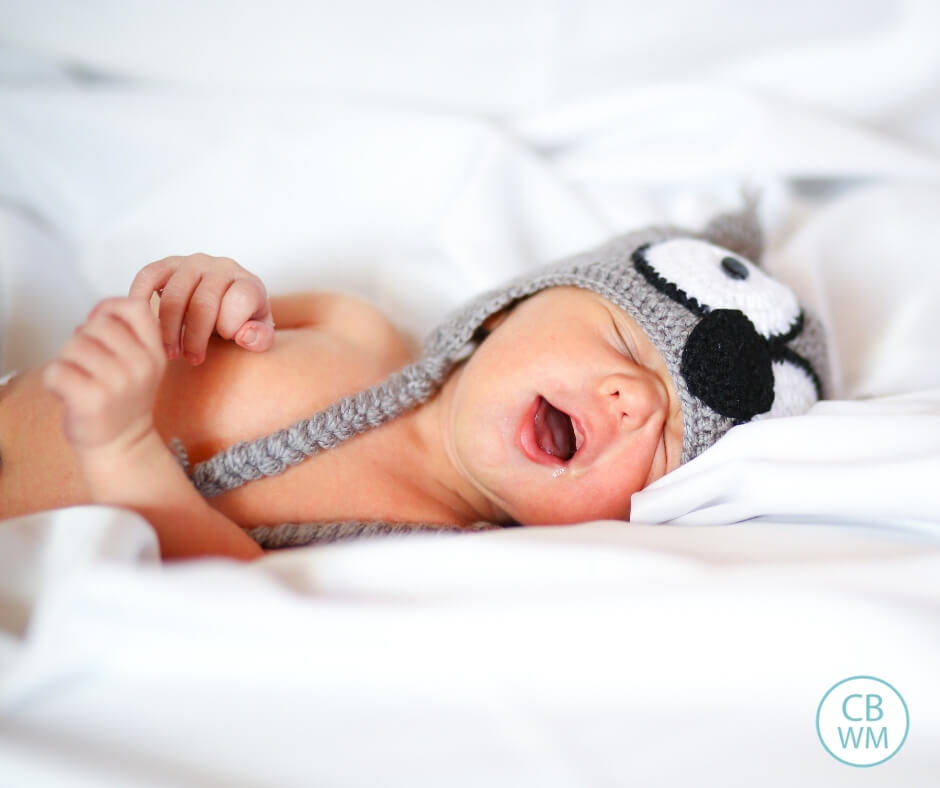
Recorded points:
(854,462)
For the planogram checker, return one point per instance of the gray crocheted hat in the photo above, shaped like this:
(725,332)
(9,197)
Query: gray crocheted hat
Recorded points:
(736,342)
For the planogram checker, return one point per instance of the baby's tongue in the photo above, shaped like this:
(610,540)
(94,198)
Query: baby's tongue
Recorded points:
(553,431)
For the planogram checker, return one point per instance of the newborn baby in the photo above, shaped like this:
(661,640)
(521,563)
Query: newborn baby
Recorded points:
(550,400)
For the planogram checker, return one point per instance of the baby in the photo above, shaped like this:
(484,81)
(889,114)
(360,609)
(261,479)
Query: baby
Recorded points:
(551,400)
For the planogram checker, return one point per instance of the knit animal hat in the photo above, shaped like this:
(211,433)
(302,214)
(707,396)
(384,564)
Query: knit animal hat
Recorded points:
(736,342)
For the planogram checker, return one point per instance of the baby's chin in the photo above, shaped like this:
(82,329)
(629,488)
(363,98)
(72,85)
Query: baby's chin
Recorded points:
(553,512)
(553,497)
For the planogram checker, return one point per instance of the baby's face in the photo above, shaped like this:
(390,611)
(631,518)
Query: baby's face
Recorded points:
(564,411)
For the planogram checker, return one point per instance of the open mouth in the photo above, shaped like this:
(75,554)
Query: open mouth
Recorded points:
(554,432)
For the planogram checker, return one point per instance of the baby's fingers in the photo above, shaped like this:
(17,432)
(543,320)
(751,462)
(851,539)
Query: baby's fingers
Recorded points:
(81,394)
(87,354)
(108,372)
(153,277)
(90,380)
(63,377)
(255,335)
(201,315)
(66,379)
(174,303)
(137,351)
(245,314)
(118,346)
(140,327)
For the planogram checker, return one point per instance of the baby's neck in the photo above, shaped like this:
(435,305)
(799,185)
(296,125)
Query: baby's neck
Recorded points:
(426,464)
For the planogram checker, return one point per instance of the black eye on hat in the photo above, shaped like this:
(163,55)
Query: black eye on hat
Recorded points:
(728,365)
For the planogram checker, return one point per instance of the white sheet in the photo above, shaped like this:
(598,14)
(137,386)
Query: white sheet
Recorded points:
(415,156)
(866,463)
(599,654)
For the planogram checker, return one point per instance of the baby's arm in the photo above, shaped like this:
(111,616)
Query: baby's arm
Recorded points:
(107,376)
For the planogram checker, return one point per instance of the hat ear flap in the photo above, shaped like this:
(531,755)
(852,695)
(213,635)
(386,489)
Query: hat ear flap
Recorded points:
(740,231)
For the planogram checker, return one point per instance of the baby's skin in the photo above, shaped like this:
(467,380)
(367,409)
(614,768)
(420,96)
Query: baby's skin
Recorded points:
(562,413)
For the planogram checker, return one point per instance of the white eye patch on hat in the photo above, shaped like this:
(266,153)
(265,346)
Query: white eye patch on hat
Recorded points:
(709,277)
(737,359)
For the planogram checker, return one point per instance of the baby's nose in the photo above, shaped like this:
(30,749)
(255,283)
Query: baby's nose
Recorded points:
(632,400)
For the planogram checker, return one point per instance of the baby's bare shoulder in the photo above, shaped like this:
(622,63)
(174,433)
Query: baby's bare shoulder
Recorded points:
(348,318)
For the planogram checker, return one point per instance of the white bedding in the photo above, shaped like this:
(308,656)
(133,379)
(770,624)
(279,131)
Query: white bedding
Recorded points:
(415,156)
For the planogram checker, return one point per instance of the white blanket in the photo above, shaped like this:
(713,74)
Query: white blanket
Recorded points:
(415,155)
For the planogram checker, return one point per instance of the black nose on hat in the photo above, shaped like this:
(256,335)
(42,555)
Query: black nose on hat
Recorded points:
(727,365)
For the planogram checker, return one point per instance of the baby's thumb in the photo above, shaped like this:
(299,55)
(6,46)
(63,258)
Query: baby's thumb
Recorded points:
(255,336)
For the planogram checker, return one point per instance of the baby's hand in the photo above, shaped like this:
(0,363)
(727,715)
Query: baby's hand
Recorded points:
(107,375)
(200,294)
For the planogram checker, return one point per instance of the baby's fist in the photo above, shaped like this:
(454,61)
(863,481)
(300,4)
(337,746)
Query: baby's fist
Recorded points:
(107,375)
(201,294)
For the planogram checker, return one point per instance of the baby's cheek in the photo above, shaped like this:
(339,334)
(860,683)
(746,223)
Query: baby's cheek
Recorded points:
(484,444)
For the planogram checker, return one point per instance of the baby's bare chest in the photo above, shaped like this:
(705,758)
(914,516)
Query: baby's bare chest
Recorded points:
(236,395)
(239,396)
